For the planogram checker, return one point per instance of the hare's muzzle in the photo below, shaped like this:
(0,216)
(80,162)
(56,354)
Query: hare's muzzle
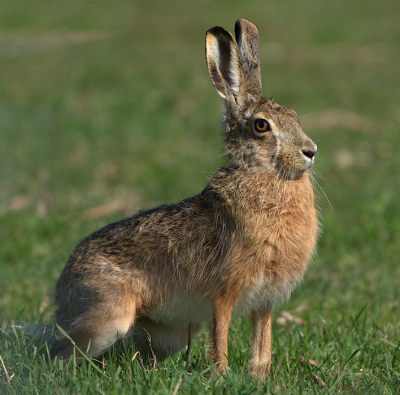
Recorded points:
(309,152)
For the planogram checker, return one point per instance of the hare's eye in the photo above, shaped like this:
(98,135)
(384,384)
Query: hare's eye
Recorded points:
(261,126)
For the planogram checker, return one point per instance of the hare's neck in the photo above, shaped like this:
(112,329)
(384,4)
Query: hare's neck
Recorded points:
(248,194)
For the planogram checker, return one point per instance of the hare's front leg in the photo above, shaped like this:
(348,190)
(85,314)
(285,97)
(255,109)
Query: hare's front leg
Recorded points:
(222,312)
(260,363)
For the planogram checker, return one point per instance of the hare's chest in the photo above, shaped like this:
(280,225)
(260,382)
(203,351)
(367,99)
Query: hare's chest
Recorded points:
(261,292)
(253,297)
(281,267)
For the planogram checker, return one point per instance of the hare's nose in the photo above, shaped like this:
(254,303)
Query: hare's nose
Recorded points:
(309,153)
(309,150)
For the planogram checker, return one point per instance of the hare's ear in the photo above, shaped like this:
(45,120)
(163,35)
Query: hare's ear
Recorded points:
(247,39)
(225,65)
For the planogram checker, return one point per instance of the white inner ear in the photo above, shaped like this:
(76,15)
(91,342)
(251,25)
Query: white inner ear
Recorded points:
(213,49)
(234,74)
(234,65)
(213,54)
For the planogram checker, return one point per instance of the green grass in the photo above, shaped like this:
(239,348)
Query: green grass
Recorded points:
(108,108)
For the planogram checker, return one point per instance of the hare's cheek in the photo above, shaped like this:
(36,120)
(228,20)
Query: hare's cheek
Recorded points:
(271,147)
(280,165)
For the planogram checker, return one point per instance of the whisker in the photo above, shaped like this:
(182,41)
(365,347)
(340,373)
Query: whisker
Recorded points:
(321,176)
(321,160)
(327,138)
(277,193)
(314,179)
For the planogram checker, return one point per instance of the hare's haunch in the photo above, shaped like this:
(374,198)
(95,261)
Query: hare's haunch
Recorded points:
(237,247)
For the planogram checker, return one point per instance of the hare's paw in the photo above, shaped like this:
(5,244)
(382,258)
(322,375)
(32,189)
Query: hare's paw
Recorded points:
(260,371)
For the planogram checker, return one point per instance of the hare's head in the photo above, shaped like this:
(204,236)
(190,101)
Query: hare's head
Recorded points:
(260,134)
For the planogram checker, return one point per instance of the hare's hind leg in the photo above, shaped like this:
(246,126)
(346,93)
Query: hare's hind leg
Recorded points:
(99,328)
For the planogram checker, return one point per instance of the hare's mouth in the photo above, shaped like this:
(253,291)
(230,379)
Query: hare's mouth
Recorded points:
(294,169)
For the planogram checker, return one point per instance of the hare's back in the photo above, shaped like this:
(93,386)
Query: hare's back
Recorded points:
(144,251)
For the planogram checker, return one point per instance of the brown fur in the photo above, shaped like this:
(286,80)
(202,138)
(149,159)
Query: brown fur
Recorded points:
(236,247)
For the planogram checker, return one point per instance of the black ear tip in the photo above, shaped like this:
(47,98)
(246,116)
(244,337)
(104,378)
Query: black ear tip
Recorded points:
(241,20)
(239,24)
(238,29)
(216,31)
(242,25)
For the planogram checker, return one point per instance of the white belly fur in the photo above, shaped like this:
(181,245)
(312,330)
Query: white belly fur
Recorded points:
(260,293)
(167,327)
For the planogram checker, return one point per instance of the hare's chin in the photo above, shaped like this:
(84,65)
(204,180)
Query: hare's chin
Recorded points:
(308,166)
(295,174)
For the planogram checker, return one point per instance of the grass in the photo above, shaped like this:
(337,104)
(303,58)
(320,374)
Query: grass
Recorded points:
(108,108)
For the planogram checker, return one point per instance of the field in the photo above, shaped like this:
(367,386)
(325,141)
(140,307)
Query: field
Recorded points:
(107,108)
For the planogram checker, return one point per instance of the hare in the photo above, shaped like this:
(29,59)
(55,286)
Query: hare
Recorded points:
(157,278)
